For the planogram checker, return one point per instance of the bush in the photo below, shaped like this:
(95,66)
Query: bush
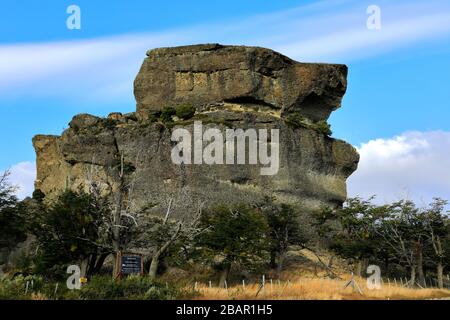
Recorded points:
(98,288)
(131,288)
(167,113)
(323,127)
(185,111)
(296,120)
(154,116)
(12,289)
(16,288)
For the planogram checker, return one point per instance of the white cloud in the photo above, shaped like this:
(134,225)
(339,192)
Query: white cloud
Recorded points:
(103,69)
(413,165)
(22,176)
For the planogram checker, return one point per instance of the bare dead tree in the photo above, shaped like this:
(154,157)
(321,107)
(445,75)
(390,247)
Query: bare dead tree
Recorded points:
(124,212)
(186,228)
(394,237)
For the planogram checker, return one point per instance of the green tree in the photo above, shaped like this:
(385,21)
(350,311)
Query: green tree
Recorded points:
(284,231)
(185,111)
(437,230)
(349,230)
(73,230)
(234,236)
(402,230)
(12,219)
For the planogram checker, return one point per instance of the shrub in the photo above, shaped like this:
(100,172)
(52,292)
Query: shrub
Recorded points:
(296,120)
(323,127)
(98,288)
(167,113)
(185,111)
(12,289)
(131,288)
(153,117)
(16,288)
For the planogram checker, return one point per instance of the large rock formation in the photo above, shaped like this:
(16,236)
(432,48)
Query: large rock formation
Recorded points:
(204,74)
(229,87)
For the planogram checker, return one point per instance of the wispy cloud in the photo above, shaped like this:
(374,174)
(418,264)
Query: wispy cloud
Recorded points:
(95,69)
(103,69)
(412,165)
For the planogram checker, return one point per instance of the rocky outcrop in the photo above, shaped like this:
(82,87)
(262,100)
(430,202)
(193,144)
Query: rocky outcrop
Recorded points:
(205,74)
(229,87)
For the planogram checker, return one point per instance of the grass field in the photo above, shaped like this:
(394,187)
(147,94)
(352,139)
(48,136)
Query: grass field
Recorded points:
(317,289)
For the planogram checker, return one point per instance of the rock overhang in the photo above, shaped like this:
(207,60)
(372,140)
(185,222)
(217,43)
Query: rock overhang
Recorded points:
(202,75)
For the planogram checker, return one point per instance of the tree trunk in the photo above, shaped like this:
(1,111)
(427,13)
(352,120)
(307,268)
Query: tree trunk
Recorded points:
(84,264)
(413,276)
(273,259)
(154,266)
(155,259)
(280,262)
(91,265)
(99,263)
(359,267)
(116,229)
(224,275)
(386,266)
(420,273)
(440,274)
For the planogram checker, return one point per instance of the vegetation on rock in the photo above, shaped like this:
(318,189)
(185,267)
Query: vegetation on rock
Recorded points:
(185,111)
(296,120)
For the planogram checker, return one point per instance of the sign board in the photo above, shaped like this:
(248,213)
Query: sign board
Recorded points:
(131,264)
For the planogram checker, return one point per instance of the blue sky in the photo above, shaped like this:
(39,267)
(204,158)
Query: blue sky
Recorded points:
(398,89)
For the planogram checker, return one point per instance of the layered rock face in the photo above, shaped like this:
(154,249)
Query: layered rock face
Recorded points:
(229,87)
(204,74)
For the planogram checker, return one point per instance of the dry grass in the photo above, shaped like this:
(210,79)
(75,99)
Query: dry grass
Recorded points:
(316,289)
(38,296)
